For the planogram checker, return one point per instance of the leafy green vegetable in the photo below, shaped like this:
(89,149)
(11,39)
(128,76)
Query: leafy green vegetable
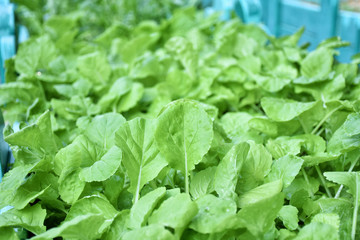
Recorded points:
(149,120)
(142,209)
(31,218)
(184,135)
(142,159)
(289,215)
(228,170)
(213,214)
(177,218)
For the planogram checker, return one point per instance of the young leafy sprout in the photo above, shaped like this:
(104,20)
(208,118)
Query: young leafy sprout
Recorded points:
(181,128)
(184,135)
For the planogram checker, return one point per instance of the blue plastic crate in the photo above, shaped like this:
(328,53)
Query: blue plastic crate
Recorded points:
(348,28)
(7,50)
(286,17)
(4,2)
(7,35)
(224,6)
(7,19)
(321,21)
(250,11)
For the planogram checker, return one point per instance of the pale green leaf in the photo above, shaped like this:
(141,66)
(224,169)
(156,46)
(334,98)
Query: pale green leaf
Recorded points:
(282,110)
(228,170)
(183,135)
(142,209)
(176,217)
(153,231)
(142,158)
(213,214)
(103,168)
(31,218)
(289,216)
(286,169)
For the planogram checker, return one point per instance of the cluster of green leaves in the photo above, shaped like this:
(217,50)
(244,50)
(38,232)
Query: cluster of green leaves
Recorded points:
(188,128)
(95,16)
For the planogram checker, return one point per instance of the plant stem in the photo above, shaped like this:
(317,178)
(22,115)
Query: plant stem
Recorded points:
(186,169)
(303,126)
(356,208)
(187,183)
(320,131)
(308,183)
(350,170)
(325,118)
(322,179)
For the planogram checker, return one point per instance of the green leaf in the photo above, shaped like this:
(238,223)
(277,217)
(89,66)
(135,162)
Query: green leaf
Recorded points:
(93,205)
(351,126)
(317,64)
(11,181)
(341,207)
(76,107)
(349,179)
(80,153)
(31,218)
(213,214)
(71,186)
(228,170)
(184,51)
(325,91)
(259,217)
(328,218)
(272,83)
(202,183)
(142,158)
(130,99)
(102,129)
(8,233)
(282,110)
(82,226)
(104,168)
(35,55)
(257,194)
(264,125)
(114,186)
(116,30)
(316,230)
(333,42)
(130,50)
(142,209)
(118,227)
(153,231)
(236,125)
(286,169)
(88,218)
(289,216)
(38,136)
(183,135)
(95,67)
(283,146)
(178,217)
(119,88)
(36,186)
(22,92)
(256,166)
(319,158)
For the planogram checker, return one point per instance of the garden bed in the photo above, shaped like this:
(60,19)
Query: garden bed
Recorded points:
(176,126)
